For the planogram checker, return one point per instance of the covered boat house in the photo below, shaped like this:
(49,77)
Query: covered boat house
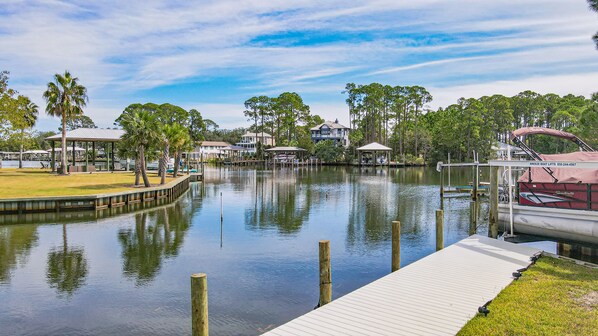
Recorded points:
(373,149)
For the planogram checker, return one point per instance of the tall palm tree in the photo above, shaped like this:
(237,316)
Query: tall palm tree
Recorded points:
(180,141)
(141,132)
(24,119)
(66,99)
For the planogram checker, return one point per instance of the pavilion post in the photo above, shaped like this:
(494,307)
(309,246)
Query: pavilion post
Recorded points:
(74,158)
(53,161)
(112,155)
(86,154)
(93,153)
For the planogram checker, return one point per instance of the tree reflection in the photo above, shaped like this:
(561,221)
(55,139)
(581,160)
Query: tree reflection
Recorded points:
(157,234)
(279,203)
(15,243)
(67,267)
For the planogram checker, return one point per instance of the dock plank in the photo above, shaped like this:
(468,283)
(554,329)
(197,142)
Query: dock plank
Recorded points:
(436,295)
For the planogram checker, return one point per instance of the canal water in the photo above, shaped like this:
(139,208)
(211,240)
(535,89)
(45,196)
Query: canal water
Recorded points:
(129,274)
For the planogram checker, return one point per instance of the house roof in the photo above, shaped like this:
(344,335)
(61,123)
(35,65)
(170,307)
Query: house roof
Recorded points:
(214,144)
(374,146)
(258,134)
(90,134)
(331,124)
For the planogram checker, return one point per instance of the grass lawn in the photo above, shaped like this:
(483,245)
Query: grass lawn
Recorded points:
(553,297)
(15,183)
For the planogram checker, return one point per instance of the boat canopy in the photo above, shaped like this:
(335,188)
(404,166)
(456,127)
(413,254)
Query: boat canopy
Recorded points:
(541,130)
(568,175)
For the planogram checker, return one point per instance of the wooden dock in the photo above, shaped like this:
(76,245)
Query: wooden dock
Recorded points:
(436,295)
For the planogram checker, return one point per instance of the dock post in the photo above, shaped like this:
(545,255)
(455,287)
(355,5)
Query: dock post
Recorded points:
(325,275)
(493,218)
(473,217)
(396,245)
(439,229)
(441,182)
(199,304)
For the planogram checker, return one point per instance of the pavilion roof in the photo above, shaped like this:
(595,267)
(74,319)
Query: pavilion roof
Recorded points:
(285,149)
(90,134)
(374,146)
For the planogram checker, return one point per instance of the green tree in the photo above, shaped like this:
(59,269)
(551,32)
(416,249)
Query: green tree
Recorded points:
(80,121)
(327,151)
(141,132)
(23,119)
(594,6)
(65,98)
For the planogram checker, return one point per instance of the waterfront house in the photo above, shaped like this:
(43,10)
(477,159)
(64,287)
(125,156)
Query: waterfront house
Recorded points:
(210,149)
(250,140)
(331,131)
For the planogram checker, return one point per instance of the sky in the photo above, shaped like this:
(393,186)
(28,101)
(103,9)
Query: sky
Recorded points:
(213,55)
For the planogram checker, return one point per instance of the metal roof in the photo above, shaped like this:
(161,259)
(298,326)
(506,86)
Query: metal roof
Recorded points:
(285,149)
(90,134)
(331,124)
(374,146)
(258,134)
(214,144)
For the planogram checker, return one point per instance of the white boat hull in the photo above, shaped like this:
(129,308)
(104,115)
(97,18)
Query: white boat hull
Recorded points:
(578,225)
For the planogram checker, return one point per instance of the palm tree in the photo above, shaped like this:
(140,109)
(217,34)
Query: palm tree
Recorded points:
(66,99)
(24,119)
(180,141)
(141,131)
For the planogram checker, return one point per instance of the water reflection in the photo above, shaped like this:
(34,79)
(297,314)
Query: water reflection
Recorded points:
(156,235)
(15,244)
(282,202)
(66,267)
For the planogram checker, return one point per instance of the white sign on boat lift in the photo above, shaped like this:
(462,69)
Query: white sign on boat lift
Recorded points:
(544,164)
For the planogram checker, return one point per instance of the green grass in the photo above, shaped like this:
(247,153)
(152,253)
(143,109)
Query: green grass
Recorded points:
(25,183)
(553,297)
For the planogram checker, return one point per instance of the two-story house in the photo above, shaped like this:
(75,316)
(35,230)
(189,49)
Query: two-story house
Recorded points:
(331,131)
(249,141)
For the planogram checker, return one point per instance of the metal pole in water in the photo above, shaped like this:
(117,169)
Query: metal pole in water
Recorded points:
(199,304)
(325,274)
(439,230)
(396,245)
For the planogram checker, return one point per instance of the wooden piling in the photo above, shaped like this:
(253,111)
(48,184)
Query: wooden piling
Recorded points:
(441,182)
(473,217)
(325,275)
(439,229)
(493,217)
(199,304)
(396,245)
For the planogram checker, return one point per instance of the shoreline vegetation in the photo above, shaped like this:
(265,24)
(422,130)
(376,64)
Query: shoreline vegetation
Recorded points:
(32,182)
(553,297)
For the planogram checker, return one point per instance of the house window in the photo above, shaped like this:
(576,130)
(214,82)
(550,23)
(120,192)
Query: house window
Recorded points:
(325,130)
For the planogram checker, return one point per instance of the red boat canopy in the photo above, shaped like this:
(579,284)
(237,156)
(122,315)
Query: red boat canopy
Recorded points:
(567,175)
(542,130)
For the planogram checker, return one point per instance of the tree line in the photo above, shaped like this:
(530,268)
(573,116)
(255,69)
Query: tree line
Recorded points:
(399,118)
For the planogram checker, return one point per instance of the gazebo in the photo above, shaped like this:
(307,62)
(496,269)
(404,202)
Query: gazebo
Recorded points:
(374,148)
(87,135)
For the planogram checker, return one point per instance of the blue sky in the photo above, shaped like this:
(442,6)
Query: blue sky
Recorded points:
(213,55)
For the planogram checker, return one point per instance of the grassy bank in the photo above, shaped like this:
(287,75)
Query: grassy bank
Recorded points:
(553,297)
(19,183)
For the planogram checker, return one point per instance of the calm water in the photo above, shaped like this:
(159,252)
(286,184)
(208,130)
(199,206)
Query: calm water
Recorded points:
(129,274)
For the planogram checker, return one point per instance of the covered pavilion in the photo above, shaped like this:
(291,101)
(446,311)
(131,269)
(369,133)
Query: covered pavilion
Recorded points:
(87,135)
(374,148)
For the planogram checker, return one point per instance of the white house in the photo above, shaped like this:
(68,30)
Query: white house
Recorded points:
(249,141)
(331,131)
(211,148)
